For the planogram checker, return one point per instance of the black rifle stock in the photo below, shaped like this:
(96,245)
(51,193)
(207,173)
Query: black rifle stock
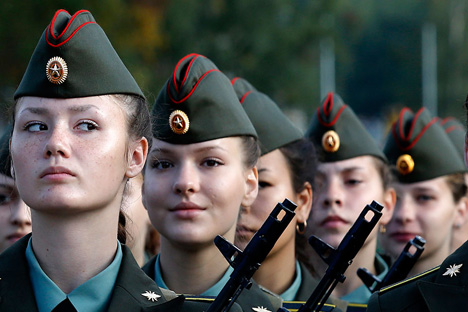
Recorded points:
(340,259)
(400,268)
(246,262)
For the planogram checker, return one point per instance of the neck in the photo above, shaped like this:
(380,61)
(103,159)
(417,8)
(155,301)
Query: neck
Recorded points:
(428,261)
(364,259)
(278,270)
(191,271)
(138,245)
(71,249)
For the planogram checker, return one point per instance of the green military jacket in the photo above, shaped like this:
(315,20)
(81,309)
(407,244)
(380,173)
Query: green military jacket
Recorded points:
(16,291)
(254,297)
(443,288)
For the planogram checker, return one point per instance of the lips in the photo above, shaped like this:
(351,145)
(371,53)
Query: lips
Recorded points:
(187,210)
(333,222)
(14,237)
(402,237)
(56,171)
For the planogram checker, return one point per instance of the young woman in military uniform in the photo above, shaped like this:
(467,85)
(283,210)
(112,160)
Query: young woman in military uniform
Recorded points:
(15,217)
(285,170)
(75,142)
(351,174)
(200,171)
(443,287)
(430,187)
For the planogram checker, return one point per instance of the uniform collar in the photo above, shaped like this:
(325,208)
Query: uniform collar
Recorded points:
(93,295)
(291,292)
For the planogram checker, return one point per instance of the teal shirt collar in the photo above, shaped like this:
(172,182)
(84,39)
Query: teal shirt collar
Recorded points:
(291,292)
(363,294)
(93,295)
(212,291)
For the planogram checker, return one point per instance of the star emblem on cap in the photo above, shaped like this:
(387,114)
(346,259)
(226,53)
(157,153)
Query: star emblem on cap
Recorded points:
(405,164)
(179,122)
(261,309)
(151,296)
(453,270)
(330,141)
(57,70)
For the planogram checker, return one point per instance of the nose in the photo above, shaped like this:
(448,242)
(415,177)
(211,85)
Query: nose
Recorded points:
(331,195)
(187,180)
(20,214)
(57,144)
(404,211)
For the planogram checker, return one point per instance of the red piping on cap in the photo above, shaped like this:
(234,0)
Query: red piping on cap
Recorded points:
(400,118)
(451,128)
(193,89)
(244,96)
(418,137)
(177,66)
(233,81)
(68,24)
(328,105)
(329,124)
(445,120)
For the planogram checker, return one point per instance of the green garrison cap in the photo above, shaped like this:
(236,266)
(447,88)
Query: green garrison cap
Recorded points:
(338,134)
(274,129)
(74,58)
(420,149)
(5,152)
(197,104)
(456,132)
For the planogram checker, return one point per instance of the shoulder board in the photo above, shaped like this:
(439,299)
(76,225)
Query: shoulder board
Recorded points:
(168,294)
(268,292)
(294,306)
(200,298)
(356,307)
(417,276)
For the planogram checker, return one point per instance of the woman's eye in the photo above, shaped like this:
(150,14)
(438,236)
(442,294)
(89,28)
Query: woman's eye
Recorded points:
(424,198)
(353,181)
(161,164)
(5,199)
(35,126)
(263,184)
(212,163)
(87,126)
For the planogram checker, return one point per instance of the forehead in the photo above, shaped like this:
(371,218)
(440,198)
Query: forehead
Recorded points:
(40,105)
(361,164)
(227,145)
(272,160)
(432,184)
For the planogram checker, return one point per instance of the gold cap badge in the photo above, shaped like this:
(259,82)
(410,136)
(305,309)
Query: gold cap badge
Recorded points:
(57,70)
(405,164)
(179,122)
(331,141)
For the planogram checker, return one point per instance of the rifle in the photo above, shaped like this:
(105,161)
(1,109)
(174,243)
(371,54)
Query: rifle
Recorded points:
(399,269)
(246,262)
(340,258)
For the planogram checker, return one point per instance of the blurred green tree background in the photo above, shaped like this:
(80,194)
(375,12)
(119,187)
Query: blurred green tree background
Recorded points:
(275,44)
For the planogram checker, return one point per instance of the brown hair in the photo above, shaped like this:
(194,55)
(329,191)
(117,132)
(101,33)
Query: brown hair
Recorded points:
(384,171)
(457,185)
(251,150)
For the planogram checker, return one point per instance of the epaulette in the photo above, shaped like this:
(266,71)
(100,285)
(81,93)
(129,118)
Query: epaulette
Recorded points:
(356,307)
(406,281)
(269,292)
(200,298)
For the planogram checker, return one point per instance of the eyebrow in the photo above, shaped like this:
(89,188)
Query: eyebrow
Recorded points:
(263,170)
(162,150)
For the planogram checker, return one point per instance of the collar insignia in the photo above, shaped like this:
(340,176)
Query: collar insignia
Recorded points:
(151,296)
(405,164)
(57,70)
(331,141)
(261,309)
(453,270)
(179,122)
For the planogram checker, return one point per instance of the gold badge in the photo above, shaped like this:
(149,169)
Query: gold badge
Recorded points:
(331,141)
(405,164)
(179,122)
(57,70)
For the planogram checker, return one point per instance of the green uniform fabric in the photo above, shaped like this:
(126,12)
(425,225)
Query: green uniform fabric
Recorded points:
(16,291)
(93,66)
(438,289)
(456,132)
(197,104)
(420,136)
(351,138)
(254,297)
(274,129)
(5,161)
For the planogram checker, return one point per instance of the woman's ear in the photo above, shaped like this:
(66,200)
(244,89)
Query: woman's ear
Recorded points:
(304,203)
(461,214)
(389,202)
(251,187)
(137,157)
